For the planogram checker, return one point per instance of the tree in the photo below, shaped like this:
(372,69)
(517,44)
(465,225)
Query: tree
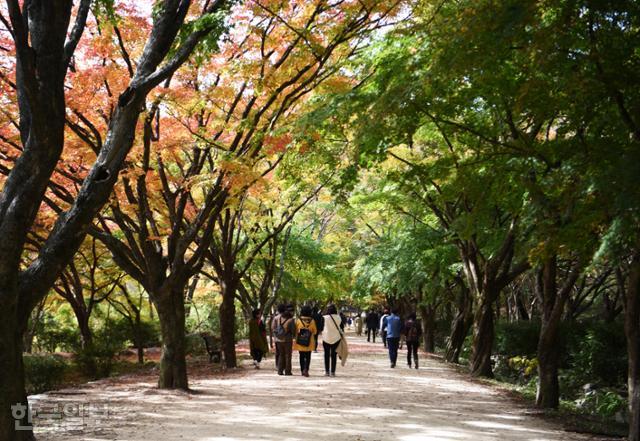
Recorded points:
(44,45)
(85,283)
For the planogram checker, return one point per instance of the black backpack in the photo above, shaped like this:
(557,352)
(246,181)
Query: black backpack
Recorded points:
(304,335)
(413,331)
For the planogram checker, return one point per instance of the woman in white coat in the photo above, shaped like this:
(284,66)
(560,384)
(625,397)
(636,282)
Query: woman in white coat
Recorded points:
(331,336)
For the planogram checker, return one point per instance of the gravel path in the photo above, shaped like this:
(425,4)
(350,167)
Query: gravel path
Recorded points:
(365,401)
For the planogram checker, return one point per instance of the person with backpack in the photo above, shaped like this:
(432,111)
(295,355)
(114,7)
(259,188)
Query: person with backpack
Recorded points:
(305,338)
(331,336)
(412,333)
(272,326)
(394,329)
(258,345)
(284,329)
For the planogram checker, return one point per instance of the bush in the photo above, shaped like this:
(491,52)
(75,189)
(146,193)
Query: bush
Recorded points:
(597,353)
(518,369)
(54,334)
(98,359)
(195,345)
(43,372)
(517,338)
(603,402)
(150,333)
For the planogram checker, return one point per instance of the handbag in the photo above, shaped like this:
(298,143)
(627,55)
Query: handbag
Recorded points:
(342,349)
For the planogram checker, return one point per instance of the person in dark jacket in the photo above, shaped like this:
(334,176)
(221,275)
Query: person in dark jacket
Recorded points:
(412,332)
(373,322)
(257,338)
(317,317)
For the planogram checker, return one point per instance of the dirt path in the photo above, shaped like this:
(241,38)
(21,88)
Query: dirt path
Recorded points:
(365,401)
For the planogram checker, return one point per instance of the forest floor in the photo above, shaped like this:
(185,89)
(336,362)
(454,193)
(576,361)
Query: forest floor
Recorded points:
(367,400)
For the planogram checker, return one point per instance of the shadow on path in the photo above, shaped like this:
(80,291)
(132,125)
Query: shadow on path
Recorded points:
(365,401)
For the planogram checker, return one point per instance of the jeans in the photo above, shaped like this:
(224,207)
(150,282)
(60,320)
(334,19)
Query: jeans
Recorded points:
(330,354)
(257,355)
(305,361)
(285,351)
(392,344)
(412,348)
(371,331)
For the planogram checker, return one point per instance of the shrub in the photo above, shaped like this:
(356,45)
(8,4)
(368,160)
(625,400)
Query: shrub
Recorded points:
(518,369)
(598,354)
(53,334)
(195,345)
(43,372)
(602,402)
(98,359)
(517,338)
(150,333)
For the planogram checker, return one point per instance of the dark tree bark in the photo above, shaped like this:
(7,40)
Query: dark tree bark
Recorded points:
(173,364)
(428,315)
(483,334)
(632,331)
(486,278)
(523,314)
(228,321)
(553,304)
(460,326)
(12,387)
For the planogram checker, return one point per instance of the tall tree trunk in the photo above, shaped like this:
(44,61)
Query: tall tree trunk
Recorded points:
(483,333)
(12,387)
(428,315)
(139,341)
(460,326)
(32,326)
(173,364)
(632,331)
(228,322)
(553,305)
(86,336)
(190,292)
(523,314)
(548,393)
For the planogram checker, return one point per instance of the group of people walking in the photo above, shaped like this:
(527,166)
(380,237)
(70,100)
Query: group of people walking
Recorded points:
(299,334)
(392,331)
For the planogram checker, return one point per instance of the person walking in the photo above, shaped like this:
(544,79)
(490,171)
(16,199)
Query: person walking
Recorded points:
(412,333)
(317,318)
(258,344)
(305,338)
(383,326)
(373,322)
(331,335)
(272,326)
(283,330)
(359,320)
(394,328)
